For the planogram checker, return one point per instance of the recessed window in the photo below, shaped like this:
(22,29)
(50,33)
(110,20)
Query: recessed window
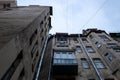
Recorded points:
(89,49)
(112,45)
(33,36)
(62,47)
(91,36)
(6,5)
(103,37)
(117,49)
(84,63)
(62,40)
(98,44)
(78,49)
(75,40)
(84,40)
(98,63)
(109,56)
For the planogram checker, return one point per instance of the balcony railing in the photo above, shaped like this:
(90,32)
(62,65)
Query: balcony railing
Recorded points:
(59,61)
(65,67)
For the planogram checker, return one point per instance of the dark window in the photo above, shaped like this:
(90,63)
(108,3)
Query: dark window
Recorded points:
(33,36)
(85,41)
(34,49)
(117,49)
(75,40)
(109,56)
(98,44)
(103,37)
(112,45)
(84,63)
(91,36)
(13,67)
(62,40)
(6,5)
(98,63)
(89,49)
(62,47)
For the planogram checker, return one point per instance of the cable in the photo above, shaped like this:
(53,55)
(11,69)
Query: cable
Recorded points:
(93,15)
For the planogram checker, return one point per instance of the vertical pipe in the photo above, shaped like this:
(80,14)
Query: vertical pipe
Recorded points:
(49,76)
(89,57)
(41,60)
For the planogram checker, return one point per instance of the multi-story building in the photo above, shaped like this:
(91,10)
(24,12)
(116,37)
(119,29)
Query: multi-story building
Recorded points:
(92,55)
(115,36)
(7,4)
(23,33)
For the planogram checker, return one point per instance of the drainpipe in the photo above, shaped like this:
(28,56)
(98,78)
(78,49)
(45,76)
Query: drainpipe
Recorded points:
(41,60)
(89,57)
(49,75)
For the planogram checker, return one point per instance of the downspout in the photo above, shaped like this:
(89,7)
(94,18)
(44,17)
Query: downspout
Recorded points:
(89,57)
(41,60)
(49,75)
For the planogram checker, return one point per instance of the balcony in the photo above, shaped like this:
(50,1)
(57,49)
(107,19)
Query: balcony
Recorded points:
(65,65)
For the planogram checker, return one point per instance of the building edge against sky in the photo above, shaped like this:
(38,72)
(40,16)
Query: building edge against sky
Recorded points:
(25,41)
(23,33)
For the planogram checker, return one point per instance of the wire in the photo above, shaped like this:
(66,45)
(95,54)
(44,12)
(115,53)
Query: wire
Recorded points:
(93,15)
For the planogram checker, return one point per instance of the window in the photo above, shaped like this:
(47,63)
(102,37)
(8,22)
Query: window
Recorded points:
(89,49)
(78,49)
(91,36)
(98,44)
(64,58)
(84,40)
(6,5)
(62,40)
(117,49)
(34,49)
(112,45)
(98,63)
(109,56)
(62,47)
(103,37)
(84,63)
(33,36)
(75,40)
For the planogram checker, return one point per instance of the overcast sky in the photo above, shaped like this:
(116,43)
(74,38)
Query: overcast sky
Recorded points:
(73,16)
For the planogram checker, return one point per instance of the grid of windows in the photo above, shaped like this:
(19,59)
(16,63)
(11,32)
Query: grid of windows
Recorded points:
(64,58)
(84,63)
(98,63)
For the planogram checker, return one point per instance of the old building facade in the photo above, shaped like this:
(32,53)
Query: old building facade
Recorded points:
(7,4)
(23,33)
(92,55)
